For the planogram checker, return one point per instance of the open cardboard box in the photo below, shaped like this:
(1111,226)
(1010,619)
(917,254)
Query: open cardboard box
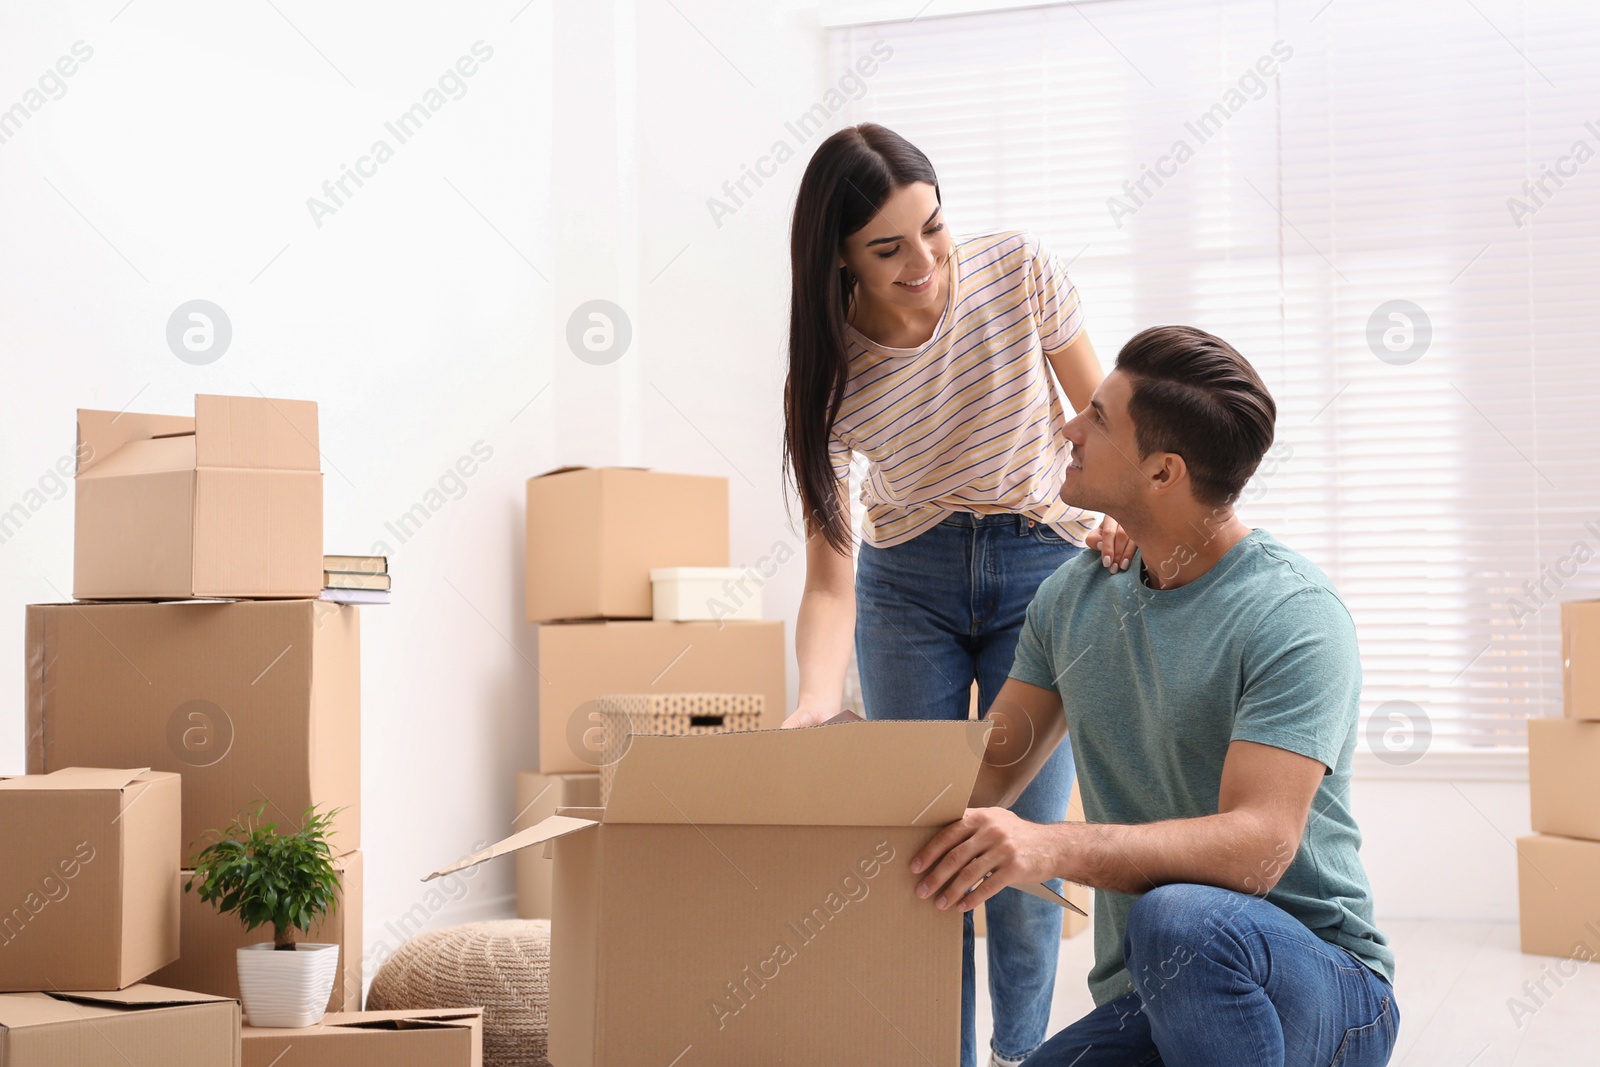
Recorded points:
(226,503)
(141,1026)
(451,1037)
(748,892)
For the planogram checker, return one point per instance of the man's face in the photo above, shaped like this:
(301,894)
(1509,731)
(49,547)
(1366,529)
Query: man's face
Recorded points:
(1105,473)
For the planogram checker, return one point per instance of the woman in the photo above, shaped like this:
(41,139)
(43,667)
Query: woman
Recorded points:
(928,355)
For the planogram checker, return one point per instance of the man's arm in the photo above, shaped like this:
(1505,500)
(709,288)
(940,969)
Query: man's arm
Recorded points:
(1262,808)
(1028,725)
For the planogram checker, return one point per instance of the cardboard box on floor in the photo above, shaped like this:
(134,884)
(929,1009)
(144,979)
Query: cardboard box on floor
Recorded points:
(595,533)
(1558,885)
(748,892)
(88,858)
(427,1038)
(247,700)
(538,797)
(206,962)
(581,662)
(1563,762)
(1580,659)
(141,1026)
(1072,923)
(226,503)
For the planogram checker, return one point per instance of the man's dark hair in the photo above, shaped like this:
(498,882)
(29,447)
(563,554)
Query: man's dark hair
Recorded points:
(1195,395)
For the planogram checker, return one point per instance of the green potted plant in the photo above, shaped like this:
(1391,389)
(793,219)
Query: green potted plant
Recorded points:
(285,881)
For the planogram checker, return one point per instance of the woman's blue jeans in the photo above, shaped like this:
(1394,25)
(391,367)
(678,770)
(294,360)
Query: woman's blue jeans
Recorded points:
(933,615)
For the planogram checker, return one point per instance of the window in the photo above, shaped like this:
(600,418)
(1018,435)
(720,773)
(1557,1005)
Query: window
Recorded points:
(1394,211)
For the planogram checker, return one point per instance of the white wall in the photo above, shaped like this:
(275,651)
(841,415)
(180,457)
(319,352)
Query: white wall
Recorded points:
(427,315)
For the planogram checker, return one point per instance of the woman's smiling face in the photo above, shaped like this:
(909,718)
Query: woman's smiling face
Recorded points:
(898,257)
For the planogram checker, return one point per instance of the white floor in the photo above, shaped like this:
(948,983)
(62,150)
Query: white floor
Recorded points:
(1456,982)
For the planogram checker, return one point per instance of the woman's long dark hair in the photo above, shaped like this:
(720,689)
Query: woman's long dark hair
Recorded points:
(845,184)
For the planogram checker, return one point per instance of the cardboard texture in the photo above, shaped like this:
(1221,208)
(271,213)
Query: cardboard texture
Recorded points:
(427,1038)
(580,662)
(247,700)
(538,797)
(1563,762)
(227,503)
(595,533)
(142,1026)
(1558,888)
(206,962)
(669,714)
(88,859)
(1580,659)
(750,893)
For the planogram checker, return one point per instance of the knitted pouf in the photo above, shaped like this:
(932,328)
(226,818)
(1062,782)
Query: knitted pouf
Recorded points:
(503,967)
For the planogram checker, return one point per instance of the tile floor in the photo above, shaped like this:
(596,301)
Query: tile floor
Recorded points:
(1455,982)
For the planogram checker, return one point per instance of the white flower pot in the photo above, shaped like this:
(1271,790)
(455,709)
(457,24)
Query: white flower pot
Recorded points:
(288,988)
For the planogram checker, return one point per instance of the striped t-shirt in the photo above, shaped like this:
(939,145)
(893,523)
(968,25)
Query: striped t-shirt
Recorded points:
(970,421)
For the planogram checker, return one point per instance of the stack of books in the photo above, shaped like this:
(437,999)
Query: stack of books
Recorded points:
(355,579)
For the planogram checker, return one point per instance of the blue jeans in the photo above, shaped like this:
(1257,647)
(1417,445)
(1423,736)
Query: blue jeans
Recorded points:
(933,615)
(1221,978)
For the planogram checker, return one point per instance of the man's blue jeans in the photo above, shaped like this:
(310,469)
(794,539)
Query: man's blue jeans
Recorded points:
(1222,979)
(932,615)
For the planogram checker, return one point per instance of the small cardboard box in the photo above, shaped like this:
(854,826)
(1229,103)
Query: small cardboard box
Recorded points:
(226,503)
(207,964)
(88,866)
(684,594)
(247,700)
(581,662)
(1580,659)
(749,892)
(538,797)
(595,533)
(1563,763)
(141,1026)
(1558,887)
(439,1038)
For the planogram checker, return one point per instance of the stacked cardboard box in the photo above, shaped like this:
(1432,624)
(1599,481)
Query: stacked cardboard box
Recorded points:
(197,647)
(593,536)
(1558,867)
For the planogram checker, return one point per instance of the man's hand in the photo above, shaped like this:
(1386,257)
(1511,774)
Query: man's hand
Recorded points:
(988,849)
(1113,543)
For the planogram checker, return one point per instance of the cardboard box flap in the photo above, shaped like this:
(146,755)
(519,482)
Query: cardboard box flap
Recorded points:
(548,830)
(257,432)
(101,434)
(155,455)
(138,996)
(403,1020)
(850,774)
(78,778)
(1044,892)
(580,467)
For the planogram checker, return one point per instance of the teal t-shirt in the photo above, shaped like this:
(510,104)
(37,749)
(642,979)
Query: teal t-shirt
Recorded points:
(1156,684)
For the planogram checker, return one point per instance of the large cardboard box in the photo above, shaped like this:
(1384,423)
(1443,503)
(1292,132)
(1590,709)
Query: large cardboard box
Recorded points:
(142,1026)
(538,798)
(580,662)
(88,865)
(595,533)
(1580,658)
(1563,765)
(439,1038)
(747,893)
(206,961)
(226,503)
(247,700)
(1558,887)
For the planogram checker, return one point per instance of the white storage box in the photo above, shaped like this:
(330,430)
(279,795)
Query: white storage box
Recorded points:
(682,594)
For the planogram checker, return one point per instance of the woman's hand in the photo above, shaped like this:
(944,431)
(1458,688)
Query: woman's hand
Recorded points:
(1113,544)
(811,715)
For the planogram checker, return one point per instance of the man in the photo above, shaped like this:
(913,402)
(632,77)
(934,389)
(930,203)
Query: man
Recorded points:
(1211,692)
